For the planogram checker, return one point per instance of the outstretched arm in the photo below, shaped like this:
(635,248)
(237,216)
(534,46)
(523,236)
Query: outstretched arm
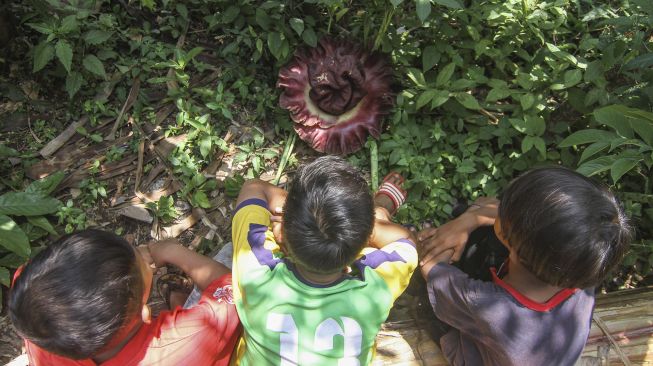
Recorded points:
(202,270)
(386,231)
(451,237)
(256,188)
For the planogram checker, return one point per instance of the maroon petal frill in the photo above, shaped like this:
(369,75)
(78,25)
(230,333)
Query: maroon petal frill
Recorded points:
(337,94)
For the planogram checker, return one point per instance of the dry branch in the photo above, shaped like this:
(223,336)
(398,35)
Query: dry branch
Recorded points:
(69,132)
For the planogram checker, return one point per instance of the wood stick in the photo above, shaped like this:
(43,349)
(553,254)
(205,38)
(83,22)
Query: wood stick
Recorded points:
(131,99)
(69,132)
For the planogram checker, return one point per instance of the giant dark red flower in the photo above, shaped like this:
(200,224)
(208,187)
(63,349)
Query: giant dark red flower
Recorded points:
(337,93)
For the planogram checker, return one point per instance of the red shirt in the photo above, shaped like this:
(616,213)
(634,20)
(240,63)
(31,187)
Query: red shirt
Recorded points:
(203,335)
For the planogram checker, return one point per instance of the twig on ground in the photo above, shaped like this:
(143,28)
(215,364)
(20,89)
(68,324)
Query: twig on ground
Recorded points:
(70,131)
(131,99)
(139,168)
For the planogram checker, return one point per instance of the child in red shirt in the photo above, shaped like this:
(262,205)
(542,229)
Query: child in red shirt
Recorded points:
(82,301)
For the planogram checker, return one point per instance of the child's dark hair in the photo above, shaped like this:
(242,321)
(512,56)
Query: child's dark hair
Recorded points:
(74,296)
(568,230)
(328,215)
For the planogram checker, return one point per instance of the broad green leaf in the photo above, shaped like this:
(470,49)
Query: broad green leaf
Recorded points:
(68,24)
(182,10)
(445,74)
(535,125)
(430,57)
(640,62)
(12,260)
(309,37)
(527,144)
(43,223)
(621,167)
(201,200)
(527,100)
(644,129)
(43,53)
(453,4)
(74,82)
(423,8)
(425,98)
(540,145)
(230,14)
(27,204)
(416,76)
(297,25)
(64,54)
(4,277)
(439,98)
(596,166)
(274,44)
(497,94)
(586,136)
(592,150)
(573,77)
(614,116)
(96,37)
(205,146)
(12,237)
(6,152)
(262,19)
(396,3)
(46,185)
(94,65)
(41,27)
(468,101)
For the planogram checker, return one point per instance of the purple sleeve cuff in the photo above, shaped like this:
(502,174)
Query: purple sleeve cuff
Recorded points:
(251,201)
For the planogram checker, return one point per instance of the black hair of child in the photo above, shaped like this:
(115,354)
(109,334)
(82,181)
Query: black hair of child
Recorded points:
(328,215)
(74,296)
(568,230)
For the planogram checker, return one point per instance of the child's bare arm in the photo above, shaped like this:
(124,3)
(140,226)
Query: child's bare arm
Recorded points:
(454,234)
(386,232)
(256,188)
(201,269)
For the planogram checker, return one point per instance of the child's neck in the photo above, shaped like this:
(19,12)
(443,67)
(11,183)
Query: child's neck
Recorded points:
(318,278)
(527,284)
(109,354)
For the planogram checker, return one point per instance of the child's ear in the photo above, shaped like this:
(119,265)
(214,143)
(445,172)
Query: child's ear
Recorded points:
(499,233)
(146,314)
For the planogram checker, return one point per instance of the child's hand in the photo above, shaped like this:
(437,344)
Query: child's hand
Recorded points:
(451,236)
(159,251)
(276,221)
(144,251)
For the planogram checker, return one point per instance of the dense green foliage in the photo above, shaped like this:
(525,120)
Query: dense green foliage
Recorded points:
(487,89)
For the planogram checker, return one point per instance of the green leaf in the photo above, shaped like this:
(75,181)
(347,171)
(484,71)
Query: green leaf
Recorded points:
(468,101)
(614,116)
(94,65)
(596,166)
(43,223)
(201,199)
(6,152)
(573,77)
(309,37)
(205,146)
(416,76)
(41,27)
(430,57)
(432,95)
(27,204)
(527,144)
(586,136)
(274,44)
(297,25)
(621,167)
(64,54)
(423,8)
(497,94)
(396,3)
(74,82)
(527,100)
(46,185)
(12,260)
(96,37)
(535,125)
(640,62)
(68,24)
(12,237)
(262,19)
(4,277)
(445,75)
(592,150)
(43,53)
(453,4)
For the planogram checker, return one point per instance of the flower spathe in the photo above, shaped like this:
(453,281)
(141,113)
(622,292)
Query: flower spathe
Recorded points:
(337,94)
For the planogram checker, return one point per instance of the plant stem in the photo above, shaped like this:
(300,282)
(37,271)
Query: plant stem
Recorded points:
(290,144)
(374,164)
